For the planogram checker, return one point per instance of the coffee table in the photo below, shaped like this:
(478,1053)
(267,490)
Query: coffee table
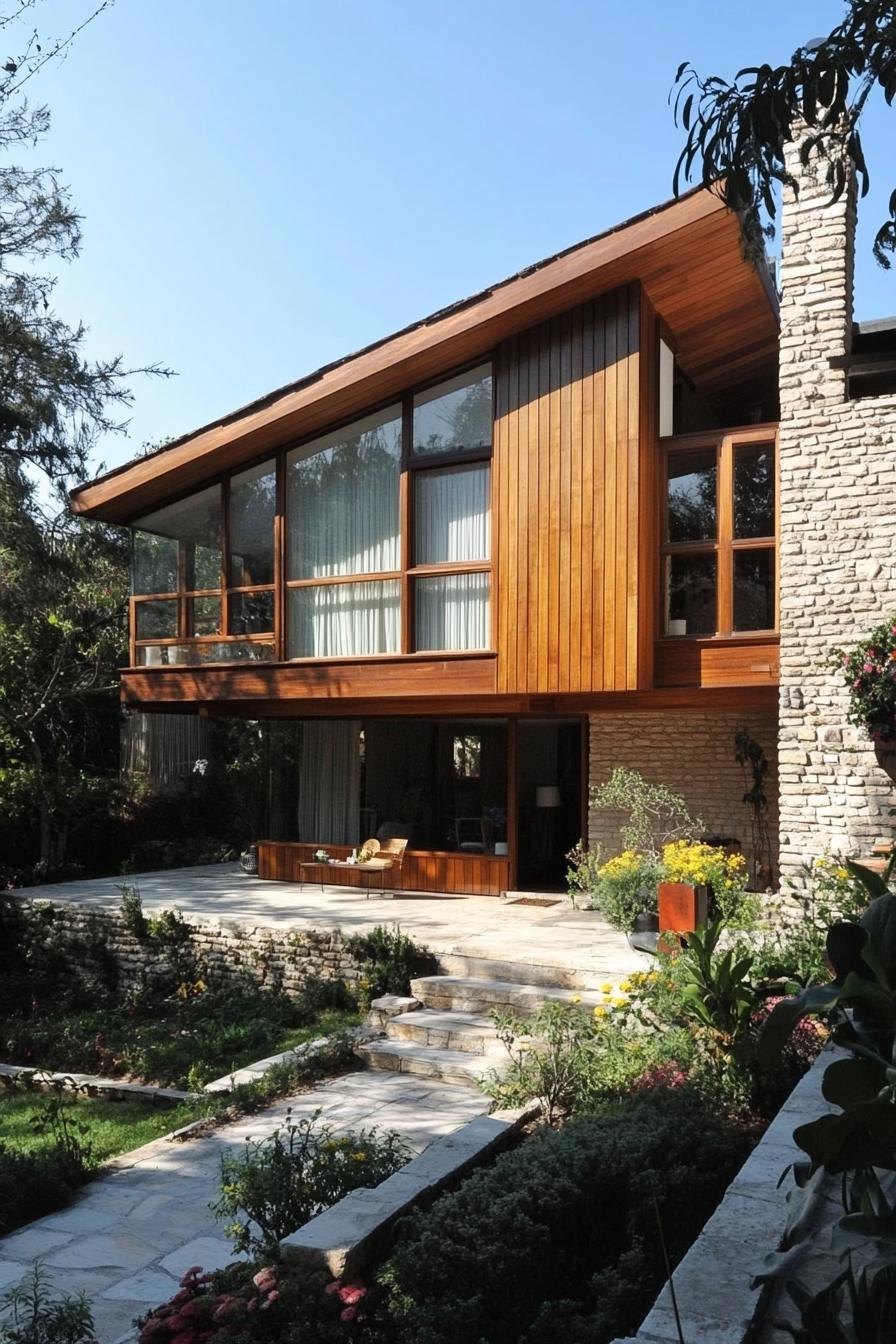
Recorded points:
(329,873)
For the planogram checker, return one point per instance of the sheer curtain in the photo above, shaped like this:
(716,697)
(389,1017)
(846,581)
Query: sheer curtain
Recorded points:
(451,525)
(343,518)
(330,781)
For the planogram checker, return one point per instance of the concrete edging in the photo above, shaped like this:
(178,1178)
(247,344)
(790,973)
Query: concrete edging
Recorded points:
(357,1230)
(712,1283)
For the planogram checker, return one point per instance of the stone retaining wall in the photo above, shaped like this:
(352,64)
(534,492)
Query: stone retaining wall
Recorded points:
(100,943)
(692,752)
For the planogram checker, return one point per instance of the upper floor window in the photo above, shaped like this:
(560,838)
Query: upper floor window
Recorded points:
(719,562)
(385,547)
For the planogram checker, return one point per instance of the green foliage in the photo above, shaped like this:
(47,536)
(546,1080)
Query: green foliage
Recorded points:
(870,675)
(132,915)
(656,815)
(856,1142)
(626,887)
(558,1239)
(574,1059)
(717,998)
(282,1181)
(29,1314)
(737,132)
(750,756)
(581,874)
(32,1184)
(389,961)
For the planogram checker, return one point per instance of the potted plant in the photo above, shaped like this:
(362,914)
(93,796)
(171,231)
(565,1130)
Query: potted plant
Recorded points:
(869,669)
(699,880)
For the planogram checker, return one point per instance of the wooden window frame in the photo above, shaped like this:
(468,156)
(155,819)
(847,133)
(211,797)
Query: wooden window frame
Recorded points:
(409,465)
(725,545)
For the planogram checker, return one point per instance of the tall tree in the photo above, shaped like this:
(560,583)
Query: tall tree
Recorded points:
(62,581)
(737,131)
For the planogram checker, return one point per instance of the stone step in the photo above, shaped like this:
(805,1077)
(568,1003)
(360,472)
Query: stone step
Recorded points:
(472,995)
(446,1031)
(515,972)
(426,1061)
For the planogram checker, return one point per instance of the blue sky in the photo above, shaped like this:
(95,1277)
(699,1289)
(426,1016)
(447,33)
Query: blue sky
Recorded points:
(269,185)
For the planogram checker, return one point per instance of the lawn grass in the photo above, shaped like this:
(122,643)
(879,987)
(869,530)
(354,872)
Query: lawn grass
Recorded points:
(110,1127)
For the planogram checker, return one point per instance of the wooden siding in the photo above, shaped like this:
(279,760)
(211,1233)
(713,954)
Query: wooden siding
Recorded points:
(566,498)
(717,662)
(469,874)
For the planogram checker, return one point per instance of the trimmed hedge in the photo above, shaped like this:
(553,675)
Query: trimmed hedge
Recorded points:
(558,1240)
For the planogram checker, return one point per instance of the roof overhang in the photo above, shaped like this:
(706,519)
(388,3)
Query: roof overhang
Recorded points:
(687,254)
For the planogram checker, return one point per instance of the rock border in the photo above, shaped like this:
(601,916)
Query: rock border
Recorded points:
(358,1230)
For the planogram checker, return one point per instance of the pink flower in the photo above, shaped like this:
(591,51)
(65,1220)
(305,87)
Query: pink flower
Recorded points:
(332,1288)
(867,667)
(271,1297)
(348,1314)
(264,1279)
(352,1293)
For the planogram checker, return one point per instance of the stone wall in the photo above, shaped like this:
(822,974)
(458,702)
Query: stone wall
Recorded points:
(100,943)
(838,521)
(692,752)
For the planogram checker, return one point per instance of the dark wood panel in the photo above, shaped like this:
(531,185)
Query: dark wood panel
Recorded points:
(717,662)
(423,870)
(567,467)
(411,678)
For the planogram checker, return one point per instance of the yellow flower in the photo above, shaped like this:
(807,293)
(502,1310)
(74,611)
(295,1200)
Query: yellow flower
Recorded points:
(620,1002)
(576,998)
(359,1157)
(607,988)
(625,985)
(600,1010)
(842,872)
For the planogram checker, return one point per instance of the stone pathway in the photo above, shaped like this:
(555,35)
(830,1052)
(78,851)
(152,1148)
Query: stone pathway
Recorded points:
(134,1232)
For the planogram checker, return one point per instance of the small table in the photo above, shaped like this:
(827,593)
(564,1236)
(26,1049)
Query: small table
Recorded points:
(319,870)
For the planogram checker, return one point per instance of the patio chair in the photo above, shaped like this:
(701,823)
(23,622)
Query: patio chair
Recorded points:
(389,857)
(473,835)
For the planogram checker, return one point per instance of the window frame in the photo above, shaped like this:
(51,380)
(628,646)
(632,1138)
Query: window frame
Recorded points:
(725,545)
(409,465)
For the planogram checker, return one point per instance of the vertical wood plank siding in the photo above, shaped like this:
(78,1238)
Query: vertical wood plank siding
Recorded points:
(567,483)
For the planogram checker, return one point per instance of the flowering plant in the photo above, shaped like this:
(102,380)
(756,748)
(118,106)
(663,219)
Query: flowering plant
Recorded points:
(707,865)
(869,669)
(202,1311)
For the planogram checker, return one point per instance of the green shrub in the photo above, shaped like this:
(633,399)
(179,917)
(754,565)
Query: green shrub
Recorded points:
(32,1184)
(296,1172)
(389,961)
(626,887)
(574,1059)
(31,1316)
(540,1236)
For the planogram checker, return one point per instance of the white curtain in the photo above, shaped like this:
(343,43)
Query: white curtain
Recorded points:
(330,781)
(342,500)
(344,619)
(452,612)
(451,515)
(163,746)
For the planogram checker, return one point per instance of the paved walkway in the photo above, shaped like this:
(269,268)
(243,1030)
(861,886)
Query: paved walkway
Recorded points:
(473,926)
(134,1232)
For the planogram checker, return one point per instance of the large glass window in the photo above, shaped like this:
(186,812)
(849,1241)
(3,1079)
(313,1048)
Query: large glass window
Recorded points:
(385,543)
(719,542)
(455,416)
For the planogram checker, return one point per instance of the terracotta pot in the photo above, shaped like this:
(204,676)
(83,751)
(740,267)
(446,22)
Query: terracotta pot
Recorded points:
(682,907)
(886,757)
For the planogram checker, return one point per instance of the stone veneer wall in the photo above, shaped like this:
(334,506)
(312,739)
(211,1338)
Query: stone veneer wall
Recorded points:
(838,523)
(692,752)
(98,942)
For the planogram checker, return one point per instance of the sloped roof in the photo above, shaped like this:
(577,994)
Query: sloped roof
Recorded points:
(721,309)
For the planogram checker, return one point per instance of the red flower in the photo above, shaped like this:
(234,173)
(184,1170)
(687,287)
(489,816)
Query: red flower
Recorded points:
(352,1293)
(348,1314)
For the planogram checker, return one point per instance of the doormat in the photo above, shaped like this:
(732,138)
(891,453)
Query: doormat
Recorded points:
(533,900)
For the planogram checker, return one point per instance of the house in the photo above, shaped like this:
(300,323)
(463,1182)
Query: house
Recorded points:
(547,530)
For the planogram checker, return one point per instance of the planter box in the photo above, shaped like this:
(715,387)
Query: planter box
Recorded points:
(682,907)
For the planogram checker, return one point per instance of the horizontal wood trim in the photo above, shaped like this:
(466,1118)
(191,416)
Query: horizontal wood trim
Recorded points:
(422,870)
(410,678)
(721,662)
(694,239)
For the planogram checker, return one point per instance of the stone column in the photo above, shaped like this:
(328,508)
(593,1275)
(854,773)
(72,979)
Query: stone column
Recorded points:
(838,534)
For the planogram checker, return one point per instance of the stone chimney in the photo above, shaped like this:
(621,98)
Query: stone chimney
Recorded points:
(838,523)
